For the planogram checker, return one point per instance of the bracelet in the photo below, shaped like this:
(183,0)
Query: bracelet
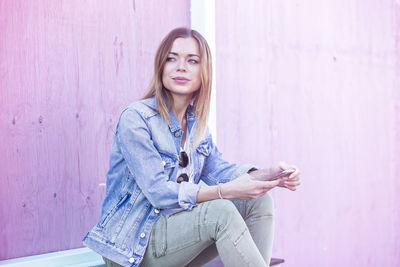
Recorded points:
(219,191)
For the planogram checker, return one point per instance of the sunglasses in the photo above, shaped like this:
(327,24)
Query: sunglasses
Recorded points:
(183,162)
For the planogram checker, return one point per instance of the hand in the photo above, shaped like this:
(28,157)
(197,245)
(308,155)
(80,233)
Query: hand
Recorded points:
(291,182)
(245,187)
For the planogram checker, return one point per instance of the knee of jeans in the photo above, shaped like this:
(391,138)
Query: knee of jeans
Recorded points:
(222,216)
(263,205)
(222,210)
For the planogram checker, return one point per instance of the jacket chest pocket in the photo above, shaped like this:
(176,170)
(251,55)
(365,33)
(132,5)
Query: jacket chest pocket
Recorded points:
(202,152)
(169,163)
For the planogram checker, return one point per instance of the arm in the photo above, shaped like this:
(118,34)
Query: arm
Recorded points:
(216,169)
(244,187)
(253,185)
(234,180)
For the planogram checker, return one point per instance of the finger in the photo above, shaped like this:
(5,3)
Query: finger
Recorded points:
(283,165)
(296,183)
(267,185)
(294,179)
(291,187)
(294,176)
(291,182)
(295,173)
(273,183)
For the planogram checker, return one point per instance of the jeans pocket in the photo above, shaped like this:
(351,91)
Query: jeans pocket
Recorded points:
(158,237)
(183,230)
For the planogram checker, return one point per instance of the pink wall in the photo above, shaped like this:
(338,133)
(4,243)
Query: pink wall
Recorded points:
(67,68)
(317,84)
(309,83)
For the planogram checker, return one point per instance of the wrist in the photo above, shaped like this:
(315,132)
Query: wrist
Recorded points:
(225,191)
(219,191)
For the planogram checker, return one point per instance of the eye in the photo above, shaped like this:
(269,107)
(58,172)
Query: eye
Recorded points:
(193,61)
(170,59)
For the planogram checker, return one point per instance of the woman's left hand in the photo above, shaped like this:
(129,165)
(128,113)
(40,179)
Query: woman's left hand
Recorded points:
(292,181)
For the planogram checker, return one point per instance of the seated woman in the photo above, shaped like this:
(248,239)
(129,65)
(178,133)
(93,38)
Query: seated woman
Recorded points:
(155,212)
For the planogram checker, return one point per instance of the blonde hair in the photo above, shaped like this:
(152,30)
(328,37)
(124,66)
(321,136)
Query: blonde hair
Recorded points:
(201,98)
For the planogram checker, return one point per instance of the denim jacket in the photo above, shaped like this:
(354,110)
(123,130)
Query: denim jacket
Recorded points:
(141,180)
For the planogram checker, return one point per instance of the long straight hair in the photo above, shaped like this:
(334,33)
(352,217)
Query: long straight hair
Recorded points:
(201,98)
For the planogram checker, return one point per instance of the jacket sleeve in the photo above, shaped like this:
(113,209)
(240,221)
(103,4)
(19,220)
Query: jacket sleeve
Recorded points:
(145,164)
(216,169)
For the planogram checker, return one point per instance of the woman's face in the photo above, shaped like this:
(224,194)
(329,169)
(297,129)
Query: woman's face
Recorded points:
(181,74)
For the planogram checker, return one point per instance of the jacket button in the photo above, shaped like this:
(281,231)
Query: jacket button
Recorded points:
(131,260)
(157,211)
(142,235)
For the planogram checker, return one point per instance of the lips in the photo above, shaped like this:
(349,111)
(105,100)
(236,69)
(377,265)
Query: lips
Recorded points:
(180,79)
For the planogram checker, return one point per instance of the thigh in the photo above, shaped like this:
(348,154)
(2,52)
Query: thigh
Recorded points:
(255,208)
(257,214)
(176,239)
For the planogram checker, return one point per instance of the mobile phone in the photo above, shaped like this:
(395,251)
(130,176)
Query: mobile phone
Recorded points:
(281,174)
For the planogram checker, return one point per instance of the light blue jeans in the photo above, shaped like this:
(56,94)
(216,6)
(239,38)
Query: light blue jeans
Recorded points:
(239,231)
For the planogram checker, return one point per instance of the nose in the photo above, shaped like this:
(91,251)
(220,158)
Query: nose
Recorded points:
(181,65)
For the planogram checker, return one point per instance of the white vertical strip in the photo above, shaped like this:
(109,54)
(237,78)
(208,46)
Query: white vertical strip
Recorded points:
(202,19)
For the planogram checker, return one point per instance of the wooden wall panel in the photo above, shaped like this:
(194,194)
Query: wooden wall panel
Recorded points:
(316,84)
(67,69)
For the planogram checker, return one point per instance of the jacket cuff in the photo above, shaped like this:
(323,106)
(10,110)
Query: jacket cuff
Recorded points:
(245,168)
(240,170)
(187,196)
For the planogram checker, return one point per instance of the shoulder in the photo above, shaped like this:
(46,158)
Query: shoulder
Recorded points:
(146,108)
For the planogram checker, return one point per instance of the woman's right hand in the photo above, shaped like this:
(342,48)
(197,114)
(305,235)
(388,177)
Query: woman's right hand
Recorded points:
(245,187)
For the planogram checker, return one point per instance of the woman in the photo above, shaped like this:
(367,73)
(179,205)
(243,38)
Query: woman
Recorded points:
(155,213)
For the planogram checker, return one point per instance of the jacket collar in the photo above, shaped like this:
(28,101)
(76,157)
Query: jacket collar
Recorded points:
(173,123)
